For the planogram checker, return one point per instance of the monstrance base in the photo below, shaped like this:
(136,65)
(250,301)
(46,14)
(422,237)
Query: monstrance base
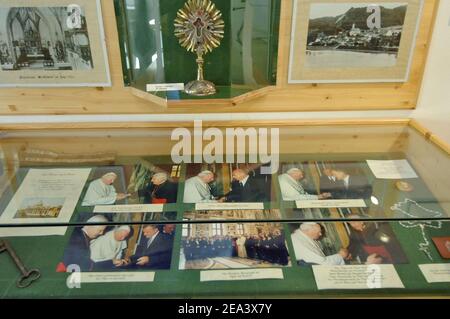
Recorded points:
(200,88)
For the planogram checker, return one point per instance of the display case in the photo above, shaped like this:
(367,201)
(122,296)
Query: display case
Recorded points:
(243,66)
(341,209)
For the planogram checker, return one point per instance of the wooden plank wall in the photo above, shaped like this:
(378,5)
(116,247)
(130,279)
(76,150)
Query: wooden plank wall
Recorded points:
(299,97)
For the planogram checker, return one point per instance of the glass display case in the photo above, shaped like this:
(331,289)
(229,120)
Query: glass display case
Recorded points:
(339,210)
(244,65)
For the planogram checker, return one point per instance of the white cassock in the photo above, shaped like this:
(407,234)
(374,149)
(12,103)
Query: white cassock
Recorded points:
(197,191)
(309,251)
(99,193)
(292,189)
(106,247)
(242,252)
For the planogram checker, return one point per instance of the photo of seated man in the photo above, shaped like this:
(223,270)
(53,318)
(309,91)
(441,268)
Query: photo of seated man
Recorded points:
(110,247)
(339,243)
(232,245)
(236,183)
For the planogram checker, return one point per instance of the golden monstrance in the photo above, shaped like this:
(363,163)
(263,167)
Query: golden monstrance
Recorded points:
(199,28)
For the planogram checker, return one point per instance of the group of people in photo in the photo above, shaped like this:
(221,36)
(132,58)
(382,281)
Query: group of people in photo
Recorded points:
(270,247)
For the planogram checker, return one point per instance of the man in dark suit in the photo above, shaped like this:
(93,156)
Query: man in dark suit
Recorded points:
(160,190)
(329,183)
(246,188)
(155,249)
(351,186)
(78,250)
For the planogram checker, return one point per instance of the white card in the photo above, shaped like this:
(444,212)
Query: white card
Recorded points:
(330,203)
(99,277)
(228,206)
(436,272)
(241,274)
(391,169)
(139,208)
(356,277)
(165,87)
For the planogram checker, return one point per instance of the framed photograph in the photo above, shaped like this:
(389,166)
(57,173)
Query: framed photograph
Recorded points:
(353,40)
(52,43)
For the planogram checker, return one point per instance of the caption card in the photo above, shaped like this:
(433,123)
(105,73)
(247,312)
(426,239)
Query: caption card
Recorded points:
(109,277)
(165,87)
(139,208)
(356,277)
(436,272)
(330,203)
(241,274)
(228,206)
(391,169)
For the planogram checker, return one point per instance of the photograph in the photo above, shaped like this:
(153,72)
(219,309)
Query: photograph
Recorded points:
(353,41)
(142,183)
(108,247)
(106,186)
(39,38)
(40,208)
(232,245)
(322,180)
(52,43)
(339,35)
(227,183)
(354,242)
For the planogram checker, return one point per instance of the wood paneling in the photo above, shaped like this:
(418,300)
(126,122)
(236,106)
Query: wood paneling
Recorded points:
(305,97)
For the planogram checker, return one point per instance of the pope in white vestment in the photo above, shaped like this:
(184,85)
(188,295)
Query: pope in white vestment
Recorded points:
(291,189)
(196,190)
(108,247)
(240,242)
(99,193)
(309,250)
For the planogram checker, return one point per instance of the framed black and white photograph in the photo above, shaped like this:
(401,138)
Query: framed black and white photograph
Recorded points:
(353,40)
(52,43)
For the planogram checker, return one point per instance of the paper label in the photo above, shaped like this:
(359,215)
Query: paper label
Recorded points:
(241,274)
(436,272)
(99,277)
(344,203)
(356,277)
(228,206)
(165,87)
(391,169)
(144,208)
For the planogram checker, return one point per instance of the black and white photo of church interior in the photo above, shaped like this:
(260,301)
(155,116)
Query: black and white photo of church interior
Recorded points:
(44,38)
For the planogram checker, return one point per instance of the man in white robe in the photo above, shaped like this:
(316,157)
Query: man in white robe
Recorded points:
(240,242)
(292,189)
(110,246)
(102,192)
(307,248)
(197,189)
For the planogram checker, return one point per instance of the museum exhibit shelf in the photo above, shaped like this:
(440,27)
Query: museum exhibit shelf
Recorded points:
(242,67)
(387,215)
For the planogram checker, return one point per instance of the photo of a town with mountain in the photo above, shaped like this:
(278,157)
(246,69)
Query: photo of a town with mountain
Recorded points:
(340,35)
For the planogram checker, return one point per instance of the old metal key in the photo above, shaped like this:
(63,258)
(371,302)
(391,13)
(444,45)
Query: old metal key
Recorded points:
(28,276)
